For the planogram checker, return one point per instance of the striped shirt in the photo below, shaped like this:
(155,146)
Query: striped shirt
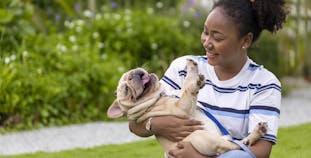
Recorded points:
(240,103)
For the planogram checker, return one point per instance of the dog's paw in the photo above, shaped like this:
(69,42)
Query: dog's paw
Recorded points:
(191,66)
(246,141)
(259,131)
(191,62)
(262,128)
(201,81)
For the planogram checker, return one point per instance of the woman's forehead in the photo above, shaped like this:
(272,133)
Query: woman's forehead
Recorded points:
(218,20)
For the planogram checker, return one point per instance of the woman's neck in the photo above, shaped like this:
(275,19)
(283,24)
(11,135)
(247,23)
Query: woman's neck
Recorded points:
(229,71)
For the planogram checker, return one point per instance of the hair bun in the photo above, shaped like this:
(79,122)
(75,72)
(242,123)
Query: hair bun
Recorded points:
(271,14)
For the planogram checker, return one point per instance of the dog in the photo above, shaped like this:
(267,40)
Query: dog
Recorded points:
(140,96)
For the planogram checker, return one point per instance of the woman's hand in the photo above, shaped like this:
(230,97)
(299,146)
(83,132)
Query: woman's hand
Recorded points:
(186,150)
(174,128)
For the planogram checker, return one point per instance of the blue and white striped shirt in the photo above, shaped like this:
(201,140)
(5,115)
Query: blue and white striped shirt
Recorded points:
(240,103)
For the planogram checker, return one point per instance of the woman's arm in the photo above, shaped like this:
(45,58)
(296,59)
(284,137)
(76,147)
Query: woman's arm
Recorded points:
(170,127)
(262,148)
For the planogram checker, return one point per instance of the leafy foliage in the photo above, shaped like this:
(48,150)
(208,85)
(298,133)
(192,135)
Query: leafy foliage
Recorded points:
(70,76)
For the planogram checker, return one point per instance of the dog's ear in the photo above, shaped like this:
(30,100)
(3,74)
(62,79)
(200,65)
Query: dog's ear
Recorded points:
(114,110)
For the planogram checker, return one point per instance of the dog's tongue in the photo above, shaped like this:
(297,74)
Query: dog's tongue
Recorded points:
(145,79)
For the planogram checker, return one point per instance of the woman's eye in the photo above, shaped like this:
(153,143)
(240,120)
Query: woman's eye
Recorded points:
(218,39)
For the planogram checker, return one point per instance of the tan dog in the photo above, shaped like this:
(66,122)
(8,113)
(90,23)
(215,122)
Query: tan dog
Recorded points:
(140,95)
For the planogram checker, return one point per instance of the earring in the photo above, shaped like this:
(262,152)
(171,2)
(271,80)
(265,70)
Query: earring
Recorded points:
(243,47)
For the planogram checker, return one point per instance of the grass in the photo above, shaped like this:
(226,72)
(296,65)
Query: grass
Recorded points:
(293,142)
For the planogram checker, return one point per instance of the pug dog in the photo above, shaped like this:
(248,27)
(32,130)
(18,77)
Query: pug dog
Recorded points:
(140,96)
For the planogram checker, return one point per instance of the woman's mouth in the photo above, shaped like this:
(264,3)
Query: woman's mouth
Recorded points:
(211,55)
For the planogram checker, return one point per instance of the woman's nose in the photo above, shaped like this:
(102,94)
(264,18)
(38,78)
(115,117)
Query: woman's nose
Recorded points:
(207,43)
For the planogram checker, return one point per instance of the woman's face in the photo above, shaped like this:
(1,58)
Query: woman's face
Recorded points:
(221,41)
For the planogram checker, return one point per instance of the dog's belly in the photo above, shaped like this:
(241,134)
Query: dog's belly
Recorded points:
(209,125)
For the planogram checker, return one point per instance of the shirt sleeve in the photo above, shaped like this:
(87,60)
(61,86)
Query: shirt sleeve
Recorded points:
(265,107)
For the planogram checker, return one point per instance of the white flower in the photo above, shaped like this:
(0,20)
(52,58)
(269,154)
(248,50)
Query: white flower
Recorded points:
(71,25)
(13,57)
(67,23)
(95,35)
(101,45)
(88,13)
(117,16)
(7,60)
(121,69)
(104,56)
(25,53)
(127,17)
(78,29)
(127,11)
(150,10)
(106,15)
(75,47)
(159,5)
(80,22)
(154,46)
(186,24)
(39,71)
(61,47)
(98,16)
(72,39)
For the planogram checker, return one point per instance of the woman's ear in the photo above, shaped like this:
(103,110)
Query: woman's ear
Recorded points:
(247,41)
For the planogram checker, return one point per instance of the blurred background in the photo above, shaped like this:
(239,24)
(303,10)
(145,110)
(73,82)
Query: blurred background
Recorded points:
(60,60)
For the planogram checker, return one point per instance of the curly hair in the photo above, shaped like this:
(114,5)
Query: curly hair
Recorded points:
(255,15)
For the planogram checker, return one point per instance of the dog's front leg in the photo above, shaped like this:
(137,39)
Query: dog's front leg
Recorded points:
(192,84)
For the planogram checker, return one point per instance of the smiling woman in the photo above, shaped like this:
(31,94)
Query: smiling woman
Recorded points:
(222,44)
(238,92)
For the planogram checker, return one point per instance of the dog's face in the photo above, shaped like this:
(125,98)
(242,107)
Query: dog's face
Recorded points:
(134,86)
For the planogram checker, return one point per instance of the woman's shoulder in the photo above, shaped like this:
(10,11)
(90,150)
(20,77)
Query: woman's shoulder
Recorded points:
(262,74)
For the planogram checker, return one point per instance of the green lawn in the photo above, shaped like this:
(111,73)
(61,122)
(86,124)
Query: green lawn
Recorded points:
(293,142)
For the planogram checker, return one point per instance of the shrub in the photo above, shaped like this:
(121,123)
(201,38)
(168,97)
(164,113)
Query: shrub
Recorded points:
(71,76)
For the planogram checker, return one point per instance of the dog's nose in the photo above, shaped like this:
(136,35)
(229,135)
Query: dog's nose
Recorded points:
(136,74)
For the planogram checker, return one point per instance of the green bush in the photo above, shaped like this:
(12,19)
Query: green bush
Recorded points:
(71,76)
(265,52)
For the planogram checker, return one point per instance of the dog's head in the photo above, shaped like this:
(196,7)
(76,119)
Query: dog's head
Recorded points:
(135,87)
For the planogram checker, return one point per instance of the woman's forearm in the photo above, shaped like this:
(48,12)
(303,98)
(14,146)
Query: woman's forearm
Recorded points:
(139,129)
(262,148)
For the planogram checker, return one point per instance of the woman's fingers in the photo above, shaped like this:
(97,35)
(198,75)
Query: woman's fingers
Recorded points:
(174,128)
(192,122)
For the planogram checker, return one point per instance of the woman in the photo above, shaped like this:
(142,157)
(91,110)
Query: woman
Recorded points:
(238,93)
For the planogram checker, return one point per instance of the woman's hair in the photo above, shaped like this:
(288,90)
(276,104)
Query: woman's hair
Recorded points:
(255,15)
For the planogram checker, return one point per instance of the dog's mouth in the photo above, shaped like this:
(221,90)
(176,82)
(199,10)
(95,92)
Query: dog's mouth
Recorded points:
(148,82)
(145,79)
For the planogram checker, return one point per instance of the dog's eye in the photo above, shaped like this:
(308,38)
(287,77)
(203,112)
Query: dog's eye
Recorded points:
(126,89)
